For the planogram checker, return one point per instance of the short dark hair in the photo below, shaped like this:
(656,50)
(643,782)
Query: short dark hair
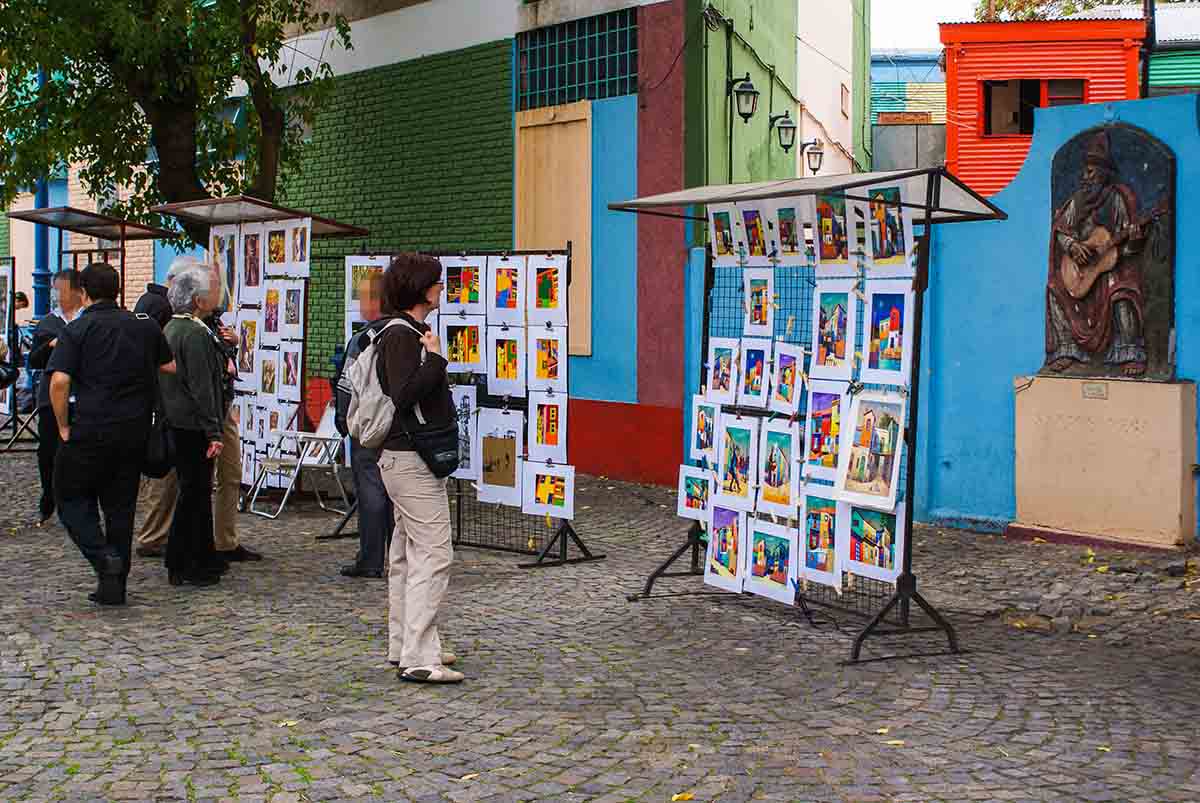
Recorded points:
(407,280)
(20,296)
(70,276)
(100,281)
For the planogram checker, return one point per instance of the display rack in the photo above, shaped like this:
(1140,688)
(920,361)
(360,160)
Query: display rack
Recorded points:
(19,425)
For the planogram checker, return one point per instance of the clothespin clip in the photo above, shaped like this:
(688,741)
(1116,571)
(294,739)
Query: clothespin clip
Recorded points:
(903,391)
(811,280)
(504,256)
(549,326)
(787,332)
(462,254)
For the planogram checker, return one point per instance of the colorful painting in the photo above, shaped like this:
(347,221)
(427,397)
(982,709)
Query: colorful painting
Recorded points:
(549,490)
(507,288)
(545,365)
(831,229)
(292,306)
(756,356)
(694,493)
(869,465)
(247,342)
(547,426)
(785,391)
(738,461)
(822,429)
(252,269)
(888,245)
(758,286)
(271,311)
(722,234)
(291,368)
(300,244)
(834,321)
(268,375)
(722,370)
(548,346)
(725,540)
(463,343)
(831,348)
(873,539)
(462,284)
(277,247)
(775,473)
(770,562)
(507,359)
(789,231)
(887,331)
(758,301)
(756,235)
(704,427)
(546,288)
(820,548)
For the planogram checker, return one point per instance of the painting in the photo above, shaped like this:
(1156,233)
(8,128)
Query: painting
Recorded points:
(268,373)
(771,561)
(465,399)
(789,218)
(272,296)
(298,265)
(779,468)
(754,368)
(872,544)
(695,493)
(292,325)
(277,251)
(702,442)
(1110,290)
(758,285)
(869,460)
(726,548)
(290,371)
(821,519)
(247,366)
(546,299)
(462,339)
(506,290)
(359,272)
(737,462)
(721,235)
(785,378)
(833,330)
(506,361)
(754,227)
(547,350)
(549,490)
(833,253)
(7,293)
(890,238)
(463,285)
(246,406)
(250,288)
(501,450)
(547,437)
(888,340)
(822,427)
(722,370)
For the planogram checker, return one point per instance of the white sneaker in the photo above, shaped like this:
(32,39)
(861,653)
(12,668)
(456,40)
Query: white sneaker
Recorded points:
(448,659)
(431,674)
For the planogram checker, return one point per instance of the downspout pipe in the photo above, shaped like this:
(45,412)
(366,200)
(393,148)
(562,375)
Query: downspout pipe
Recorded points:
(1150,10)
(41,238)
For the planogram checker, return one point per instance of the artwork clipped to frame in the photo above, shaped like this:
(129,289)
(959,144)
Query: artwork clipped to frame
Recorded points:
(549,490)
(547,358)
(272,313)
(223,253)
(248,321)
(869,460)
(547,438)
(822,428)
(463,341)
(278,245)
(888,339)
(752,223)
(506,360)
(501,450)
(737,461)
(789,217)
(695,493)
(822,516)
(360,270)
(253,265)
(771,561)
(268,375)
(291,325)
(723,567)
(247,407)
(872,543)
(505,290)
(722,370)
(833,329)
(785,378)
(465,398)
(779,468)
(291,369)
(721,234)
(463,290)
(832,240)
(754,368)
(759,302)
(547,290)
(889,233)
(702,442)
(299,247)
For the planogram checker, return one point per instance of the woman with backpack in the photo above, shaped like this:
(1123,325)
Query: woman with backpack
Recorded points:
(412,372)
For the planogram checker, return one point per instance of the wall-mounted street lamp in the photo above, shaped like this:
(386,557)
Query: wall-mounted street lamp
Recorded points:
(785,129)
(746,97)
(814,154)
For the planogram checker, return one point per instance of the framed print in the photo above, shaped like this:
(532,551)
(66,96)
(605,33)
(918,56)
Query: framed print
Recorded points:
(299,234)
(465,398)
(833,322)
(753,230)
(822,516)
(253,265)
(771,561)
(721,234)
(547,439)
(223,253)
(247,412)
(726,548)
(272,313)
(695,493)
(872,542)
(360,271)
(888,339)
(501,452)
(889,233)
(462,287)
(779,468)
(247,365)
(822,428)
(292,325)
(547,358)
(506,360)
(506,290)
(278,247)
(785,378)
(291,370)
(547,290)
(755,359)
(788,217)
(549,490)
(702,442)
(249,464)
(869,456)
(462,339)
(722,370)
(268,375)
(758,285)
(737,444)
(832,241)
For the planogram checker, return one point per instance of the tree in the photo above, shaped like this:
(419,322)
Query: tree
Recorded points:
(1043,9)
(127,75)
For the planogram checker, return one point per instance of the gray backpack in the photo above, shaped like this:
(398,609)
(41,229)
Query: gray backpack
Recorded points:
(369,419)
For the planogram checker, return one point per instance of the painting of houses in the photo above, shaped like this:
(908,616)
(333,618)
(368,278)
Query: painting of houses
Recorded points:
(887,334)
(887,227)
(831,345)
(831,229)
(820,534)
(869,464)
(873,538)
(823,428)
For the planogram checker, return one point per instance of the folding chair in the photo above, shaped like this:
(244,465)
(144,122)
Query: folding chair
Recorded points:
(294,453)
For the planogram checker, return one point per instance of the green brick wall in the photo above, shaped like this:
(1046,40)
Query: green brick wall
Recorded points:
(4,227)
(421,154)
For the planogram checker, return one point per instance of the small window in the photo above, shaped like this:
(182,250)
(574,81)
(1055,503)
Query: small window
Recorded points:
(846,101)
(1064,92)
(1008,107)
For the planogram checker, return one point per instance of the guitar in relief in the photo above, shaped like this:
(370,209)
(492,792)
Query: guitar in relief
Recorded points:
(1105,247)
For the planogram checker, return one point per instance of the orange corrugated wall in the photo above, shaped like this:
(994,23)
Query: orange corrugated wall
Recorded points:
(1108,66)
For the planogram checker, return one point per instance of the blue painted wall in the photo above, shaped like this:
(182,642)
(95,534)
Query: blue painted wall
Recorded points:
(985,314)
(911,67)
(610,374)
(164,255)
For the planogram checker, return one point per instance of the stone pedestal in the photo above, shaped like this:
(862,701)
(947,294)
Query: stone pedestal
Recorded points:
(1106,459)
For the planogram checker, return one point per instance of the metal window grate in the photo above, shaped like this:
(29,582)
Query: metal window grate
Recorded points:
(585,59)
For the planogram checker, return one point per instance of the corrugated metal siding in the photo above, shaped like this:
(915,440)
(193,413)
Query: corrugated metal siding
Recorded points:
(1175,69)
(988,164)
(891,96)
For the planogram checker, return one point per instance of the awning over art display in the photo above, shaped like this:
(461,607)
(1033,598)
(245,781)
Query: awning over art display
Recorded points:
(92,224)
(247,209)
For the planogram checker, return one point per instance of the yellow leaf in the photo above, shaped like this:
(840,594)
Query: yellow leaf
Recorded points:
(289,723)
(1037,540)
(1091,635)
(883,731)
(683,796)
(895,743)
(1104,749)
(1102,569)
(472,776)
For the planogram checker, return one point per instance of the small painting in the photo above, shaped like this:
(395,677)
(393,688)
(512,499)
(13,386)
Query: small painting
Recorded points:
(465,402)
(820,533)
(547,291)
(889,241)
(785,378)
(755,359)
(702,442)
(726,548)
(462,284)
(252,268)
(506,361)
(874,545)
(869,460)
(277,248)
(292,305)
(771,561)
(759,300)
(833,330)
(291,368)
(791,241)
(756,234)
(247,343)
(462,337)
(547,437)
(832,247)
(695,493)
(778,464)
(268,370)
(722,370)
(547,345)
(300,244)
(507,288)
(737,442)
(822,428)
(501,448)
(889,314)
(722,236)
(549,490)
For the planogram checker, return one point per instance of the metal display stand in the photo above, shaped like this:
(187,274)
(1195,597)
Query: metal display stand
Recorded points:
(19,425)
(887,610)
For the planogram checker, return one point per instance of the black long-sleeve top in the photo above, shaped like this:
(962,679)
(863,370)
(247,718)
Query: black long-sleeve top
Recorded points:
(409,381)
(48,329)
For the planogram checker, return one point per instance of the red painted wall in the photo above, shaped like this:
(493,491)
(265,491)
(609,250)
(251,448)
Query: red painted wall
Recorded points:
(635,442)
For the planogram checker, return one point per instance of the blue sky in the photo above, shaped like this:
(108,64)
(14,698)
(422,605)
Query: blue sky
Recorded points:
(912,24)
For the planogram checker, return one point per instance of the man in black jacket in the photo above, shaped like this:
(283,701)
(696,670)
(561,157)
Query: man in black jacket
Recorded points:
(45,338)
(154,304)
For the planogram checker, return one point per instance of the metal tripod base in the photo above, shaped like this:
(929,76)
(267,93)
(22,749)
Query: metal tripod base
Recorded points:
(20,426)
(906,594)
(693,543)
(338,533)
(565,535)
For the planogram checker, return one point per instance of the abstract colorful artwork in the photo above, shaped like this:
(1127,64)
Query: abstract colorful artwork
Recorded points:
(822,429)
(821,516)
(869,459)
(889,315)
(695,493)
(506,290)
(547,291)
(548,370)
(754,371)
(833,330)
(771,561)
(703,438)
(462,284)
(756,233)
(549,490)
(832,247)
(874,544)
(726,547)
(277,251)
(889,242)
(758,285)
(737,444)
(721,235)
(547,436)
(722,370)
(464,398)
(506,361)
(500,441)
(785,378)
(462,339)
(778,468)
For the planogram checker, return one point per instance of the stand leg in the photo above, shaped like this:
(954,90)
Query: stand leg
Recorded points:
(337,531)
(906,593)
(693,543)
(565,533)
(866,631)
(939,620)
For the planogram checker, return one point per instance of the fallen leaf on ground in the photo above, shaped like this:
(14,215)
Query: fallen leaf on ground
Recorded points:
(470,777)
(683,796)
(1102,569)
(288,723)
(1037,540)
(1104,749)
(895,743)
(883,731)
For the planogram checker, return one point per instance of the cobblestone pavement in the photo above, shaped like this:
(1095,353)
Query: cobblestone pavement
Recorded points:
(1078,684)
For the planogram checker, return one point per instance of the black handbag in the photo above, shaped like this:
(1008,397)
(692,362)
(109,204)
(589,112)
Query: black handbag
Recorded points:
(438,447)
(8,375)
(159,459)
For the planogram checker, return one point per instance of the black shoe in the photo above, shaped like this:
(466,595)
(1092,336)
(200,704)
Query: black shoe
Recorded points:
(110,591)
(45,511)
(196,578)
(217,566)
(240,555)
(354,570)
(148,552)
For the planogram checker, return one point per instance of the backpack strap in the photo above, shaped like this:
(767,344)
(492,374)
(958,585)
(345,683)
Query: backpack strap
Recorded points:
(402,322)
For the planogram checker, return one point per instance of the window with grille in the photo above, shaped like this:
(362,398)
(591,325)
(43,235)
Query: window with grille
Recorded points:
(585,59)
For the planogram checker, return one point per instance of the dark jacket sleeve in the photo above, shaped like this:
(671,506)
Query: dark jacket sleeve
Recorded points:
(402,374)
(48,329)
(155,306)
(198,366)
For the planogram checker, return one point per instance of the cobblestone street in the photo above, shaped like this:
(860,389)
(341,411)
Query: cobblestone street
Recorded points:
(1079,682)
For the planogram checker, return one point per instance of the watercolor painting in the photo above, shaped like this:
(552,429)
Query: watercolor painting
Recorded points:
(822,428)
(785,378)
(758,286)
(722,234)
(277,247)
(547,436)
(507,288)
(549,490)
(875,543)
(888,244)
(771,561)
(247,342)
(726,538)
(547,290)
(547,345)
(831,229)
(820,548)
(831,349)
(300,244)
(887,331)
(506,359)
(869,461)
(695,492)
(463,343)
(252,269)
(722,370)
(833,328)
(756,355)
(506,356)
(546,358)
(701,444)
(789,231)
(271,311)
(291,368)
(268,374)
(737,440)
(756,234)
(546,286)
(462,284)
(778,480)
(292,306)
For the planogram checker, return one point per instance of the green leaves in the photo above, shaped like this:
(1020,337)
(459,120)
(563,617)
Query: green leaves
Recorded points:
(1039,9)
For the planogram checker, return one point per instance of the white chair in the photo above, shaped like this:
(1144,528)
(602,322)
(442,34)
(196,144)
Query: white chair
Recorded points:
(292,453)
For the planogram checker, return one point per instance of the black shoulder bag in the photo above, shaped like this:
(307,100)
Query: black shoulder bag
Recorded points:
(437,446)
(159,459)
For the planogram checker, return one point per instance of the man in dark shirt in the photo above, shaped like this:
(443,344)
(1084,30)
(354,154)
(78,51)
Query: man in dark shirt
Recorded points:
(107,359)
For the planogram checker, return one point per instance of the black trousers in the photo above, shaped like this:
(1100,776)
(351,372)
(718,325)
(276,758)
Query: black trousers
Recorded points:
(190,542)
(100,475)
(375,516)
(48,443)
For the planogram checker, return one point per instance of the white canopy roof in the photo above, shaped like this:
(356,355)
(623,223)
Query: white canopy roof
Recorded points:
(951,200)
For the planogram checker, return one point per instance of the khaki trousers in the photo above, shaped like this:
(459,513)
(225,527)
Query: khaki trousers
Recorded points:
(419,559)
(229,486)
(156,526)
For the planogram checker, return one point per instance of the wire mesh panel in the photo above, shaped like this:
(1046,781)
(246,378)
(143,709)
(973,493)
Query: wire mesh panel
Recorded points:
(490,526)
(585,59)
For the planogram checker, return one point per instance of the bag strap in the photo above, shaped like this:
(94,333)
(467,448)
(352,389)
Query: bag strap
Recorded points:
(416,407)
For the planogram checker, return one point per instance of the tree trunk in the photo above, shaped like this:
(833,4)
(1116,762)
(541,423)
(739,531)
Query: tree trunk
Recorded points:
(173,134)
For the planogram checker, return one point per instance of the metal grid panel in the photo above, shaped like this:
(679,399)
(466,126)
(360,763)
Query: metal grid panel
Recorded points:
(490,526)
(585,59)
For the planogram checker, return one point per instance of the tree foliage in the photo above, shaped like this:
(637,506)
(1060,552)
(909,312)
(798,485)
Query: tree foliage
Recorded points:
(127,75)
(1044,9)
